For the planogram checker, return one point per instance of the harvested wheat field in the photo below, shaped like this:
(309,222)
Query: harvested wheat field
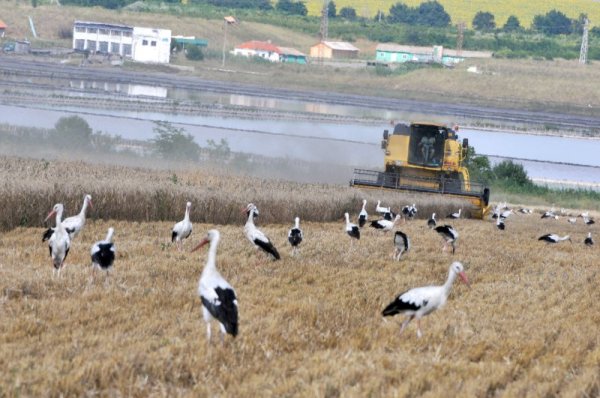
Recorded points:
(310,325)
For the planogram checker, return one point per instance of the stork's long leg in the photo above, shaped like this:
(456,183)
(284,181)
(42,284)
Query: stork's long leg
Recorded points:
(419,333)
(405,323)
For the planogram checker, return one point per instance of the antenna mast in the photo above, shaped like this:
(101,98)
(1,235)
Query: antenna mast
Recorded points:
(324,31)
(584,43)
(460,38)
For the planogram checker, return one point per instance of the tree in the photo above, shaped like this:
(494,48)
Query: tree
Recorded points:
(479,166)
(553,23)
(348,13)
(401,13)
(512,25)
(71,132)
(171,142)
(331,9)
(291,7)
(484,21)
(220,151)
(511,173)
(257,4)
(432,13)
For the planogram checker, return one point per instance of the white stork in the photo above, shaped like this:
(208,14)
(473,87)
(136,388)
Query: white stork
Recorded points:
(401,244)
(60,243)
(500,223)
(386,225)
(449,234)
(431,223)
(103,253)
(295,235)
(572,220)
(363,216)
(589,241)
(183,229)
(218,297)
(455,215)
(523,210)
(409,211)
(588,221)
(549,214)
(421,301)
(254,235)
(386,212)
(351,229)
(74,224)
(554,238)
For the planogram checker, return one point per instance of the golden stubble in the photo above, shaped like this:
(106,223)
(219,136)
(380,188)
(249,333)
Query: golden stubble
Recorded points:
(310,324)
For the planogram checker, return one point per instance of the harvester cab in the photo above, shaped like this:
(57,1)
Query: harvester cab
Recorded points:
(428,158)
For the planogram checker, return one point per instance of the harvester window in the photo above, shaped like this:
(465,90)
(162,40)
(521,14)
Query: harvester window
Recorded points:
(427,145)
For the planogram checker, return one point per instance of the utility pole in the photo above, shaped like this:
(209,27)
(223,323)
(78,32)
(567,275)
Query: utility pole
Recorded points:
(324,30)
(584,44)
(228,21)
(460,38)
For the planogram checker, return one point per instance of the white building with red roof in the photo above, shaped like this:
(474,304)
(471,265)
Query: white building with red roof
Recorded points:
(269,51)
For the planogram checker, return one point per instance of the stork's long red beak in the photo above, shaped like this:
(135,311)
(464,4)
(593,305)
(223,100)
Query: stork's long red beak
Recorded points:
(49,215)
(91,204)
(202,243)
(463,277)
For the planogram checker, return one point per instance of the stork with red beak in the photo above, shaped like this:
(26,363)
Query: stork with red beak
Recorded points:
(60,243)
(421,301)
(74,224)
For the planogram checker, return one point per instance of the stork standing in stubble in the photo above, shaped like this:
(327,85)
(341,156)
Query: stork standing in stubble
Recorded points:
(449,234)
(183,229)
(256,236)
(74,224)
(218,298)
(363,216)
(295,236)
(60,243)
(421,301)
(103,253)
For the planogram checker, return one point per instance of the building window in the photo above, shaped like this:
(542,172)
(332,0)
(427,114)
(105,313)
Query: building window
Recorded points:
(115,33)
(127,49)
(80,29)
(144,42)
(79,44)
(153,43)
(126,34)
(103,31)
(114,48)
(91,45)
(92,30)
(103,48)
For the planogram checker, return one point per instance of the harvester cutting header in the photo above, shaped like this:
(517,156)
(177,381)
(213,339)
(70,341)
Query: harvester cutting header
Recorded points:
(428,158)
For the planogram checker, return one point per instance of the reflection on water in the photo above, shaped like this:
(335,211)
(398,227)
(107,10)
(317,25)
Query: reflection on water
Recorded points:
(128,89)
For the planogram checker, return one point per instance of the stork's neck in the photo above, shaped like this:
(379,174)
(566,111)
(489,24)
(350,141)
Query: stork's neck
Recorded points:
(83,208)
(250,221)
(211,262)
(109,235)
(564,237)
(297,223)
(347,218)
(59,227)
(448,285)
(187,214)
(364,205)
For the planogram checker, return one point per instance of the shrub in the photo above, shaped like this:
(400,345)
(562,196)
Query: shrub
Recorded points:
(71,132)
(171,142)
(194,53)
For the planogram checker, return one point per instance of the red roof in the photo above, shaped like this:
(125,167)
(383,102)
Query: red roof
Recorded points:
(2,25)
(259,46)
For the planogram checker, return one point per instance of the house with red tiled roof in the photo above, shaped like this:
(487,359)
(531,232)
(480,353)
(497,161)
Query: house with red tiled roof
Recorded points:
(269,51)
(2,28)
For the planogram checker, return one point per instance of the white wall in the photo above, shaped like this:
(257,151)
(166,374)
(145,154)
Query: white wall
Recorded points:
(151,45)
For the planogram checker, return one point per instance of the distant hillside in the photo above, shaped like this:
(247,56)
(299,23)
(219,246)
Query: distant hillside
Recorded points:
(461,10)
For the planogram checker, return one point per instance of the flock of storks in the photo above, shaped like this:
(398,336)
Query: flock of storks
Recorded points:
(219,300)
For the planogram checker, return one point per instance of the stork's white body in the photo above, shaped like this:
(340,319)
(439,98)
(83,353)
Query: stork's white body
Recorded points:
(60,242)
(218,297)
(183,229)
(256,236)
(421,301)
(363,216)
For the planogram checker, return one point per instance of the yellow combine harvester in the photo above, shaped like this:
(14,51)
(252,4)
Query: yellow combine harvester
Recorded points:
(428,158)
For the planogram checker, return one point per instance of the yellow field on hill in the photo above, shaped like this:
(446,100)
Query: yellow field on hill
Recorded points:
(461,10)
(310,325)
